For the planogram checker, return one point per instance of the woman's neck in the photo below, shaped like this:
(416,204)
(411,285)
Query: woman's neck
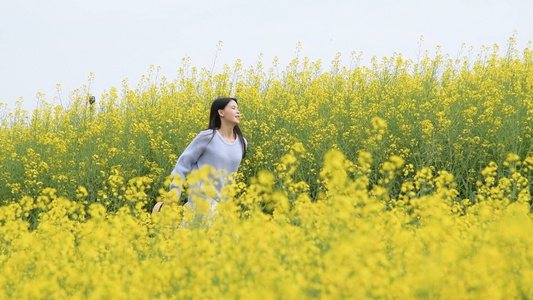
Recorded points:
(227,133)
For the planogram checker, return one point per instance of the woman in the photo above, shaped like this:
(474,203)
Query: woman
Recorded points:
(221,146)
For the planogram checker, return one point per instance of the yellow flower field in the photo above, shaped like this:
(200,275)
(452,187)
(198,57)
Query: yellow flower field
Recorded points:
(398,180)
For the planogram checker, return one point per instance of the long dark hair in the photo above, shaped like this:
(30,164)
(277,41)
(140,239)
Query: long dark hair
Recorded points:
(215,123)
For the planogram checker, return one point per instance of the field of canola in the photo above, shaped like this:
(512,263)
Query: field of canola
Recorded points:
(401,179)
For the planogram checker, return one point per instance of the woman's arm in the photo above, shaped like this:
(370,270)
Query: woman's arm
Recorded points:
(190,157)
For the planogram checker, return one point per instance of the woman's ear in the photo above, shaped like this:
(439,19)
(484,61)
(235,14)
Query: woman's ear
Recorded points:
(221,112)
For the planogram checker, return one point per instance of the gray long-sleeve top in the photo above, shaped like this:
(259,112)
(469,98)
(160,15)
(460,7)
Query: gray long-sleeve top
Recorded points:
(210,148)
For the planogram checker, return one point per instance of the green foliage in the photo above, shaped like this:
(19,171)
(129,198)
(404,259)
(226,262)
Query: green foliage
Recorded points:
(452,115)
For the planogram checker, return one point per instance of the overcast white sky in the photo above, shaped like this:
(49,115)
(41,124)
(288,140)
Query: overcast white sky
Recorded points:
(44,43)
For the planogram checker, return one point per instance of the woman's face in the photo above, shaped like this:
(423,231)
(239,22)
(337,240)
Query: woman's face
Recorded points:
(230,113)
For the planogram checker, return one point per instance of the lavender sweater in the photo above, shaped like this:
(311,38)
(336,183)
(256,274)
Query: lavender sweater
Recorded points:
(212,150)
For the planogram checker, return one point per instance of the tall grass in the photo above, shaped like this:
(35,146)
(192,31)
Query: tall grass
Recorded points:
(400,179)
(450,115)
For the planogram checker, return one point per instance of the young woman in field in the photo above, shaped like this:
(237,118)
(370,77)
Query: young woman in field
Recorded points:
(221,146)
